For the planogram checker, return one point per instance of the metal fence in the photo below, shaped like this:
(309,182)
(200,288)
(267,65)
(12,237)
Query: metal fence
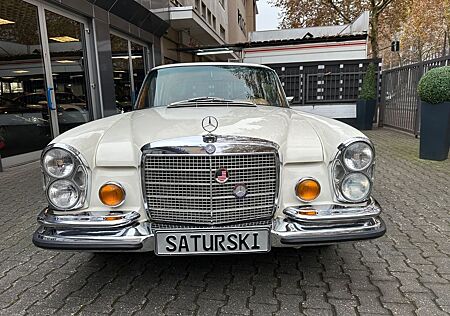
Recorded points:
(400,102)
(315,83)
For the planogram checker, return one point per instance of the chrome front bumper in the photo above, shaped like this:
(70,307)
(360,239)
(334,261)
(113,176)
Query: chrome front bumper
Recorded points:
(301,226)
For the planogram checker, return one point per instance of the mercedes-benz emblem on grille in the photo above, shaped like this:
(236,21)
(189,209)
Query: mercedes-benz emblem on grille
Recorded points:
(221,175)
(210,148)
(240,190)
(210,124)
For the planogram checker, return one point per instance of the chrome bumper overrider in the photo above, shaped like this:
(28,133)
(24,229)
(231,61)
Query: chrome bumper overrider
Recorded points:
(122,231)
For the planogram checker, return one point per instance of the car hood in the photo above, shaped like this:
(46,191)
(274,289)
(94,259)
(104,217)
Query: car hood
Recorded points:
(117,140)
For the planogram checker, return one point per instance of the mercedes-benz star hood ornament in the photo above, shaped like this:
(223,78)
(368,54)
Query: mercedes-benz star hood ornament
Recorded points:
(210,124)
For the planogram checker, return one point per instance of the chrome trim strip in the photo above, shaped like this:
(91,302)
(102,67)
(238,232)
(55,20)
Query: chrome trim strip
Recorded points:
(328,214)
(285,230)
(48,218)
(224,144)
(139,237)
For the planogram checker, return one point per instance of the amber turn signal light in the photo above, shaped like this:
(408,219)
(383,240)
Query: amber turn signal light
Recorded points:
(307,190)
(111,194)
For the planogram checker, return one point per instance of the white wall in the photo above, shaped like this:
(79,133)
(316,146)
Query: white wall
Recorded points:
(325,51)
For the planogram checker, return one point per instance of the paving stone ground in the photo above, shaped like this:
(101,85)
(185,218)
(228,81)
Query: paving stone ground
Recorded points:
(406,272)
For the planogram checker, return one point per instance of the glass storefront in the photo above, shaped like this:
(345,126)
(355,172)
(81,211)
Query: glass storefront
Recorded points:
(48,80)
(69,73)
(121,69)
(28,80)
(24,116)
(129,66)
(138,63)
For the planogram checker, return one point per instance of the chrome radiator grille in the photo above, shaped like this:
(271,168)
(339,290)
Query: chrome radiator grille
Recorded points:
(182,188)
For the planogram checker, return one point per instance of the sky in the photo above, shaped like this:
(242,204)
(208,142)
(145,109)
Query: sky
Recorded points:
(267,18)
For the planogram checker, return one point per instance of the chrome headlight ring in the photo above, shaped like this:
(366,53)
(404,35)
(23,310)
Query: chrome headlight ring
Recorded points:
(340,170)
(79,177)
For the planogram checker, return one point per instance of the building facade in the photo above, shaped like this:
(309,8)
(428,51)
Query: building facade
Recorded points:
(203,23)
(64,63)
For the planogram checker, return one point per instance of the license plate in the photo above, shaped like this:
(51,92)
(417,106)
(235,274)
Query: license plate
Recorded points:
(212,241)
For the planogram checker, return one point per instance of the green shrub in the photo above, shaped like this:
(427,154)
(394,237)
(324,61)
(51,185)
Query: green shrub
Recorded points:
(434,86)
(369,85)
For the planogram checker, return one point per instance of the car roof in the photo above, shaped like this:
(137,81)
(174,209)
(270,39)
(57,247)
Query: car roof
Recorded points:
(211,64)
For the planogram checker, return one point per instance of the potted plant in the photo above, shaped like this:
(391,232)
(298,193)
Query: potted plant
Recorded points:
(366,104)
(434,93)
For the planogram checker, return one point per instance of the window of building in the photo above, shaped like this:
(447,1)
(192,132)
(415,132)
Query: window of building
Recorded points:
(68,59)
(128,77)
(138,69)
(222,3)
(121,69)
(214,21)
(24,121)
(209,17)
(203,10)
(222,32)
(197,5)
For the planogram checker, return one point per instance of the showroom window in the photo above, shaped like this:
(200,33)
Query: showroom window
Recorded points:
(129,67)
(24,116)
(68,63)
(43,76)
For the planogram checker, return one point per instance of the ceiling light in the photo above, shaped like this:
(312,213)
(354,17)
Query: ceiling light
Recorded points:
(64,39)
(214,52)
(8,77)
(66,61)
(126,57)
(119,57)
(3,21)
(20,71)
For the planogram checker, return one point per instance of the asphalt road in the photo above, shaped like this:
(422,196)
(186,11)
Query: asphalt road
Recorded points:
(406,272)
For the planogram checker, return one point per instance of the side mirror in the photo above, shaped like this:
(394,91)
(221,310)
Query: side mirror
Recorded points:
(290,99)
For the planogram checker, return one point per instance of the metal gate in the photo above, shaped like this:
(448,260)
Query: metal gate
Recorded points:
(400,102)
(328,82)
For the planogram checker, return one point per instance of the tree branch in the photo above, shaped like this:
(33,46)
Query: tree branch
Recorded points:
(339,11)
(383,4)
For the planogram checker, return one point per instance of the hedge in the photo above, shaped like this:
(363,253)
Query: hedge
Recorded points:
(434,86)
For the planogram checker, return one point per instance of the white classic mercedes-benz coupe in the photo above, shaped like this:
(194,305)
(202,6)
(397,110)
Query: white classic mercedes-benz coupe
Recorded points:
(211,160)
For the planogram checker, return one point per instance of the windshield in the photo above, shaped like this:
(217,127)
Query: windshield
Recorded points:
(191,85)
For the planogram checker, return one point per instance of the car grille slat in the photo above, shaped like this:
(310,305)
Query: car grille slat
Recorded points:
(181,188)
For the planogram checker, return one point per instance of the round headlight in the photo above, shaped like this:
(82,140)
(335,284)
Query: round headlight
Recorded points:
(58,163)
(63,194)
(358,156)
(355,187)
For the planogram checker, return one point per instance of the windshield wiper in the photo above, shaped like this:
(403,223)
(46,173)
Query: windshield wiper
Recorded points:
(206,100)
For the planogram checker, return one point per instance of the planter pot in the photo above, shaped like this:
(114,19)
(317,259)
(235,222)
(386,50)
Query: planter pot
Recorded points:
(365,111)
(434,131)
